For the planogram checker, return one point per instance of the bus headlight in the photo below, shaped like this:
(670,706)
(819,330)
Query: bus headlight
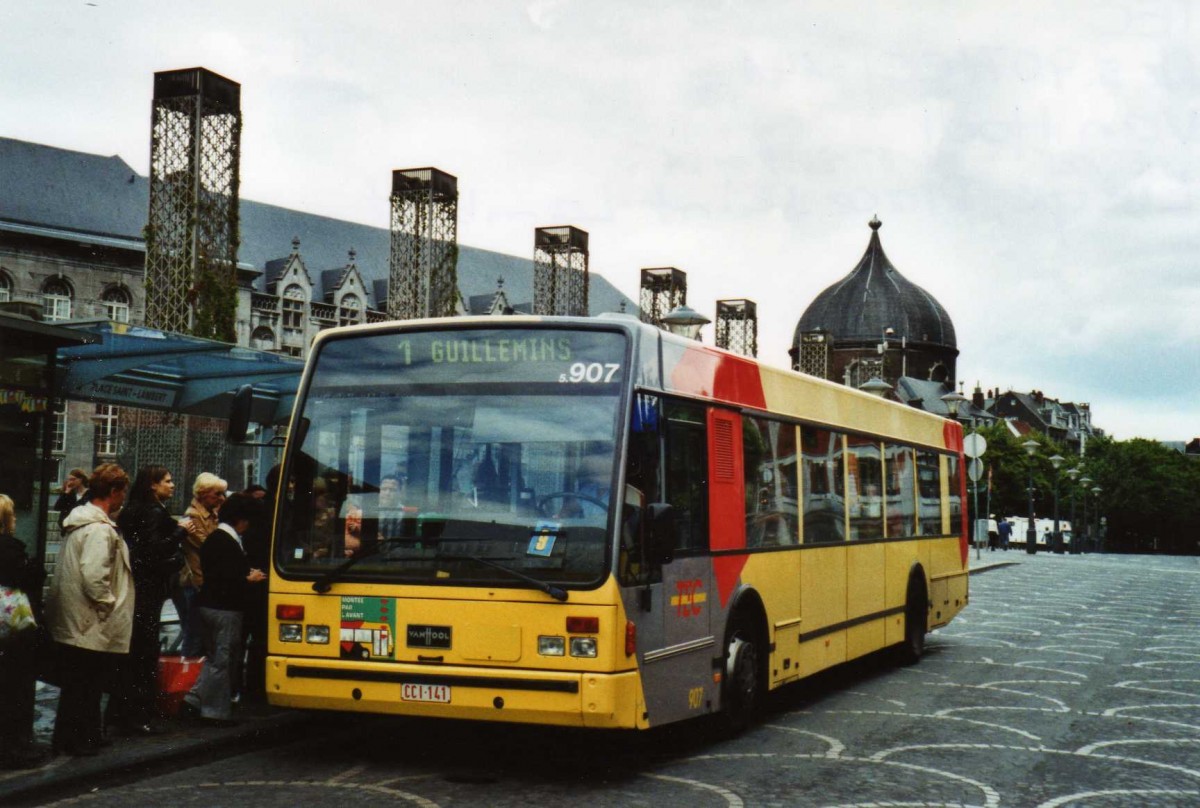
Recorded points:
(318,635)
(551,646)
(583,646)
(291,632)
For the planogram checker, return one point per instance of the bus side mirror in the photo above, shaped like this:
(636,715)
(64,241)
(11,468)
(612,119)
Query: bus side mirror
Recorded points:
(662,532)
(239,413)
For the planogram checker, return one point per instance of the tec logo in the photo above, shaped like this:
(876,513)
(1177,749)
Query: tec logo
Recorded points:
(689,595)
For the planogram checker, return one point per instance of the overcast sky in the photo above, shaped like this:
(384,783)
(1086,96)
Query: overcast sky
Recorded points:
(1035,165)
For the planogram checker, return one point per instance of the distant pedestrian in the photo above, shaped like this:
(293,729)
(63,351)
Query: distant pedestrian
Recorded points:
(200,520)
(19,575)
(228,580)
(1004,529)
(90,610)
(74,493)
(256,491)
(155,555)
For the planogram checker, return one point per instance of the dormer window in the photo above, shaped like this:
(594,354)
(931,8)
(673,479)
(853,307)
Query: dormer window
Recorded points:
(294,301)
(350,310)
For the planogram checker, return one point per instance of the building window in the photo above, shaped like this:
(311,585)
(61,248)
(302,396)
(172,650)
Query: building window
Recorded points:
(106,430)
(263,339)
(56,300)
(59,441)
(6,287)
(293,307)
(116,302)
(350,310)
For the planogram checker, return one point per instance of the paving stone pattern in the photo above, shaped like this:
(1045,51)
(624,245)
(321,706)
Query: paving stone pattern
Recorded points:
(1069,681)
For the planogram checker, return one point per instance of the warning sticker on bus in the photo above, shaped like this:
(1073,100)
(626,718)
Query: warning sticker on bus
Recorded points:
(368,628)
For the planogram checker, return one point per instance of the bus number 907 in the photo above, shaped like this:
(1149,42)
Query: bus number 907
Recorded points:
(590,373)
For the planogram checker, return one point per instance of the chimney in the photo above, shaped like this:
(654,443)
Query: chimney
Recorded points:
(977,397)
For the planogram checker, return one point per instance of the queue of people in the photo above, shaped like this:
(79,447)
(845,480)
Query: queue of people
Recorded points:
(122,555)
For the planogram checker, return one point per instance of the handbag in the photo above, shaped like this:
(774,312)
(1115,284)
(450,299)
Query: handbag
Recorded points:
(16,612)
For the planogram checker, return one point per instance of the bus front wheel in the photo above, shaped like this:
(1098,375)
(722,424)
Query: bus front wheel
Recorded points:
(741,685)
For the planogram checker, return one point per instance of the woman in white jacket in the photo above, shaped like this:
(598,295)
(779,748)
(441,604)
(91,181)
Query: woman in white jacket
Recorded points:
(90,610)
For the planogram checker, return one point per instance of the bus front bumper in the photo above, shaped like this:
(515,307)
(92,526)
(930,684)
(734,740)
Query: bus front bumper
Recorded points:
(602,700)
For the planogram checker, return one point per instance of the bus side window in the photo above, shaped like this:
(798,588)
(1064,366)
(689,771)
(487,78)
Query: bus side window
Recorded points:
(642,473)
(687,473)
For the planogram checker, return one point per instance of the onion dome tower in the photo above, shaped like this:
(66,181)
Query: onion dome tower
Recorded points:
(875,323)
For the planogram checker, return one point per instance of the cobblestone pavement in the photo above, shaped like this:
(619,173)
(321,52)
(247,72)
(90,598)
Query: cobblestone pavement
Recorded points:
(1069,681)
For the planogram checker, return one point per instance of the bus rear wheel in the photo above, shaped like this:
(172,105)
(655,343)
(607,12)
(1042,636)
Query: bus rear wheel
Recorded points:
(741,685)
(916,611)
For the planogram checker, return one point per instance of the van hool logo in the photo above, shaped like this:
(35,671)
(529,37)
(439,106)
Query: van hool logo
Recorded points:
(428,636)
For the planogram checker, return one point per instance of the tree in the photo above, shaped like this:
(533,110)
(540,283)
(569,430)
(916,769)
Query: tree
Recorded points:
(1150,496)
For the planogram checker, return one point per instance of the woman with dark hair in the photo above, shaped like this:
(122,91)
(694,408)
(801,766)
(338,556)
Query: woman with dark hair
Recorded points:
(153,539)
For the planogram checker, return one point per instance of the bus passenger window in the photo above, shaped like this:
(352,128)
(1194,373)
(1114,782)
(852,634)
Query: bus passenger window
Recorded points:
(769,461)
(687,473)
(954,495)
(824,504)
(929,494)
(865,483)
(901,499)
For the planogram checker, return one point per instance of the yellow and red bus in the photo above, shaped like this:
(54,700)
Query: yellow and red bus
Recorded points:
(592,522)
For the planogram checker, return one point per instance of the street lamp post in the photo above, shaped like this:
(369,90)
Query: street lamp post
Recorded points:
(1085,481)
(1031,447)
(1096,507)
(1073,473)
(1056,461)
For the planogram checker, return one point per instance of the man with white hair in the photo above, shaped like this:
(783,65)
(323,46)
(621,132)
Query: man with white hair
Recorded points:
(200,520)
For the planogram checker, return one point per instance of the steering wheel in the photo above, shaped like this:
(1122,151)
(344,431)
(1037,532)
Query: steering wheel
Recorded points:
(563,495)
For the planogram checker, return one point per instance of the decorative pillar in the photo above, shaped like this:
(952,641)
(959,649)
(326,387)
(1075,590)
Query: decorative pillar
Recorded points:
(560,271)
(663,290)
(423,263)
(737,326)
(192,231)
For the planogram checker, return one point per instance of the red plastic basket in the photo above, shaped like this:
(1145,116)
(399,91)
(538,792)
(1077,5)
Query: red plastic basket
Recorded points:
(176,676)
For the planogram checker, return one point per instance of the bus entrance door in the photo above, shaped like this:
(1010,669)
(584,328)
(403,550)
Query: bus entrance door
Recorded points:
(675,639)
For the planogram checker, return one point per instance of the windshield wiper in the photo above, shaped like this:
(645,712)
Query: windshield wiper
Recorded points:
(556,592)
(326,581)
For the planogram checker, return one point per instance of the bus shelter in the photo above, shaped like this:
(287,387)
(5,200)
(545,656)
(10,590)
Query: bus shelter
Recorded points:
(28,360)
(105,362)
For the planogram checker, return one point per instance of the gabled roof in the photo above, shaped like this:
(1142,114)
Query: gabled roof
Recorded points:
(69,191)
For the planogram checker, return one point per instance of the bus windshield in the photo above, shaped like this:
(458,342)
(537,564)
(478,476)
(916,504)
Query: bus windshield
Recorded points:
(455,456)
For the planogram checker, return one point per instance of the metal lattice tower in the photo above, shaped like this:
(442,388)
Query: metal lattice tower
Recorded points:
(737,326)
(813,356)
(423,266)
(192,231)
(560,271)
(663,289)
